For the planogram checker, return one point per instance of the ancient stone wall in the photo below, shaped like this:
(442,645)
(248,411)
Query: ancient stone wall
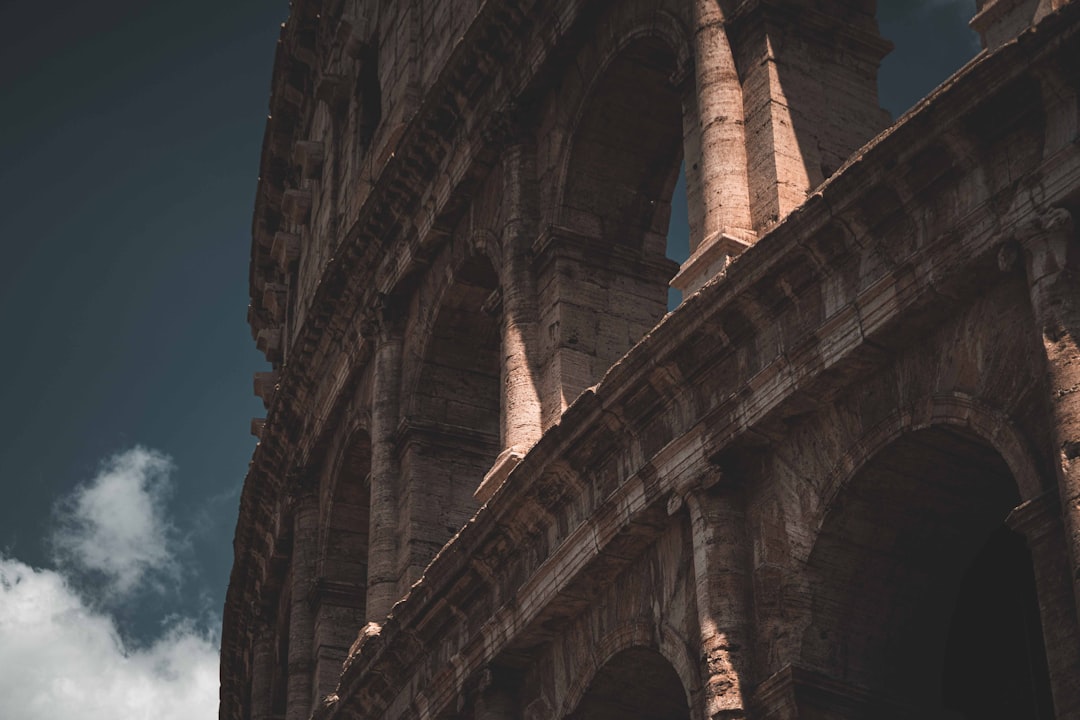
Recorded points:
(496,481)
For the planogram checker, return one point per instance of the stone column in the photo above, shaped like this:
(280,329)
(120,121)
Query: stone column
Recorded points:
(382,590)
(715,154)
(300,693)
(521,414)
(1039,521)
(722,585)
(262,671)
(1052,255)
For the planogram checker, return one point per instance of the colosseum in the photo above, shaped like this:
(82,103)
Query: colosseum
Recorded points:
(499,480)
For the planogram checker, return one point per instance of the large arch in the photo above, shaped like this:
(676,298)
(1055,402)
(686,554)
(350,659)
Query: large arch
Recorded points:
(457,383)
(603,268)
(624,25)
(946,409)
(341,588)
(624,146)
(636,683)
(451,433)
(622,162)
(899,581)
(594,656)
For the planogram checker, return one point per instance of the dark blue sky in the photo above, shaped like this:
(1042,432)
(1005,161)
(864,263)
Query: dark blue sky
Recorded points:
(128,158)
(129,149)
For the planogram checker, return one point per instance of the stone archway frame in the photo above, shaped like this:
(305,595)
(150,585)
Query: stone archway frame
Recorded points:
(951,409)
(436,285)
(629,23)
(631,634)
(985,423)
(343,552)
(329,483)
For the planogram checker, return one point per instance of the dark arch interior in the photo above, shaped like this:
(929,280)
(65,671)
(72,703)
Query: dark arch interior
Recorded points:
(615,208)
(455,422)
(345,558)
(997,616)
(341,597)
(636,683)
(627,151)
(912,565)
(459,382)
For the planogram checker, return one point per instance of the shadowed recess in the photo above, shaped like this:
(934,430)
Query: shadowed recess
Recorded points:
(910,555)
(636,683)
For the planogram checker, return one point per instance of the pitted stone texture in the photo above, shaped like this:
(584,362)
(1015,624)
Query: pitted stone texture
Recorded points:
(780,500)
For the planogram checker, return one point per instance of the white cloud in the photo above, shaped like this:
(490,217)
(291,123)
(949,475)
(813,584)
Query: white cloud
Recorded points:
(115,529)
(62,654)
(63,659)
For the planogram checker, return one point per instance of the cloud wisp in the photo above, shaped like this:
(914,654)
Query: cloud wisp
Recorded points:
(62,658)
(114,529)
(62,650)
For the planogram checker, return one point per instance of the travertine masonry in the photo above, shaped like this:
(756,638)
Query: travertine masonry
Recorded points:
(496,480)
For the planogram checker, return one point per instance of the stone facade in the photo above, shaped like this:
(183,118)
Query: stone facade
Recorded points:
(496,481)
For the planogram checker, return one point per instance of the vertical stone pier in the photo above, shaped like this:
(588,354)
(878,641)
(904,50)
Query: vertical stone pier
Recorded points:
(300,695)
(382,591)
(520,399)
(1053,271)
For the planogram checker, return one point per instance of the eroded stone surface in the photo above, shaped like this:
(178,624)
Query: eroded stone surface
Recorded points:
(781,501)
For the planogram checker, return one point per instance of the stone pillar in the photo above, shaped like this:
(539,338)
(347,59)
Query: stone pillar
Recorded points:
(521,416)
(262,671)
(998,21)
(382,590)
(1052,254)
(722,585)
(714,148)
(809,84)
(339,615)
(300,693)
(1039,521)
(593,308)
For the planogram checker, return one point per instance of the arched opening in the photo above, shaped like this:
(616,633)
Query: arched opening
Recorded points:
(627,150)
(609,279)
(341,589)
(997,616)
(637,683)
(458,390)
(452,434)
(907,569)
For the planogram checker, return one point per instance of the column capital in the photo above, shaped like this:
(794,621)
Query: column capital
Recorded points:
(384,320)
(512,126)
(697,488)
(1045,240)
(300,489)
(1037,518)
(1051,221)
